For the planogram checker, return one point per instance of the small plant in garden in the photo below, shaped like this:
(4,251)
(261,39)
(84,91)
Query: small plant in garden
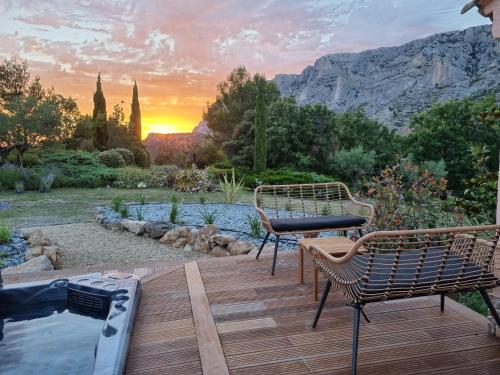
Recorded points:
(230,188)
(19,187)
(174,210)
(255,227)
(124,211)
(142,199)
(117,203)
(209,216)
(46,182)
(138,211)
(203,199)
(5,232)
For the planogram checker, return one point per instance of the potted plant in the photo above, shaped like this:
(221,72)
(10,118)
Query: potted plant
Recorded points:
(46,183)
(19,187)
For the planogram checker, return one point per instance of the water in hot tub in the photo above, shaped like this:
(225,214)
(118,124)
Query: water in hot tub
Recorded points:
(47,339)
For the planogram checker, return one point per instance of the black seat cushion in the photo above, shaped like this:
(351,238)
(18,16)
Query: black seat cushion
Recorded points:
(316,223)
(404,276)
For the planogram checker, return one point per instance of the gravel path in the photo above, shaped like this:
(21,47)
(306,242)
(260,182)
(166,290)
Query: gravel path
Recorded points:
(89,244)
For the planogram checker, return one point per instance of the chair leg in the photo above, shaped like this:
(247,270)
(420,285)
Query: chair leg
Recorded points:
(262,245)
(322,303)
(345,233)
(275,254)
(442,302)
(360,232)
(355,337)
(488,302)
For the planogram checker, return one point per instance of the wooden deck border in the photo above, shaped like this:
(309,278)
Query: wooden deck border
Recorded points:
(213,361)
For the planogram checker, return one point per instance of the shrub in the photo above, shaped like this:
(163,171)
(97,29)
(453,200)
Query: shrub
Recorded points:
(141,157)
(282,177)
(230,188)
(127,155)
(133,177)
(31,158)
(354,165)
(123,211)
(10,174)
(111,158)
(174,210)
(142,199)
(5,232)
(164,176)
(192,180)
(46,182)
(138,211)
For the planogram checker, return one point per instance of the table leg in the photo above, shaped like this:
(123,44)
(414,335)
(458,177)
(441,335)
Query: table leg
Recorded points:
(301,264)
(315,284)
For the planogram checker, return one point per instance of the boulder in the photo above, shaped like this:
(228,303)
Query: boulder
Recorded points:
(192,236)
(156,229)
(209,230)
(33,252)
(174,234)
(180,242)
(222,239)
(202,244)
(240,247)
(219,251)
(36,238)
(134,226)
(41,263)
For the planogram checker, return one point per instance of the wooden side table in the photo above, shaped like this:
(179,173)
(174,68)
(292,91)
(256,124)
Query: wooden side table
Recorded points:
(336,246)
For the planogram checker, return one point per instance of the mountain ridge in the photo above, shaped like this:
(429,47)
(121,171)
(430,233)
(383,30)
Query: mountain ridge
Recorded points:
(392,83)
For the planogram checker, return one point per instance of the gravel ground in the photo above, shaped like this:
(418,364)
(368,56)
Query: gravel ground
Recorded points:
(89,244)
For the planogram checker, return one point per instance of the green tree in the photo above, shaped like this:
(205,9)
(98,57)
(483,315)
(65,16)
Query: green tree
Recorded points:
(449,130)
(260,149)
(99,115)
(135,115)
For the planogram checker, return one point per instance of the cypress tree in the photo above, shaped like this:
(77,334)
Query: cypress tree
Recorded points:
(135,115)
(260,151)
(99,116)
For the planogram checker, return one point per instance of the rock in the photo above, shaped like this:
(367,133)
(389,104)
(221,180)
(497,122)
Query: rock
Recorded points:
(34,252)
(180,242)
(219,251)
(156,229)
(52,252)
(222,239)
(134,226)
(412,76)
(209,230)
(41,263)
(240,247)
(202,244)
(188,248)
(54,255)
(36,238)
(173,234)
(192,236)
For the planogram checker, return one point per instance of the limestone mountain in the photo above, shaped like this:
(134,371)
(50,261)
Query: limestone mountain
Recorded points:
(392,83)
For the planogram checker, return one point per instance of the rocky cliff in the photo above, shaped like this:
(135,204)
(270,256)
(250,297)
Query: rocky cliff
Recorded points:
(390,84)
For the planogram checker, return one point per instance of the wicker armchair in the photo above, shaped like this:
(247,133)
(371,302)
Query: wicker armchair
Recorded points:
(413,263)
(309,208)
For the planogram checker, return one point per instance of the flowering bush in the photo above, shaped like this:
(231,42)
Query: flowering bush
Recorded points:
(127,155)
(192,180)
(409,197)
(133,177)
(164,176)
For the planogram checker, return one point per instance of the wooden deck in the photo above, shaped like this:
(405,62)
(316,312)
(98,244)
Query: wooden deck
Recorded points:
(229,315)
(219,316)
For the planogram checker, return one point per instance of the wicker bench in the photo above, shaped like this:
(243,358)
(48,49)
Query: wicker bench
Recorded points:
(405,264)
(309,209)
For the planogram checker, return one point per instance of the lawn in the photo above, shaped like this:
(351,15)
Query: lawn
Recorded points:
(72,205)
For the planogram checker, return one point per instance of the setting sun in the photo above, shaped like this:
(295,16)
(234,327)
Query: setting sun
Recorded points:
(165,126)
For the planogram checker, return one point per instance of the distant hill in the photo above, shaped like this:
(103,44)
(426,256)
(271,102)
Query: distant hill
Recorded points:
(154,142)
(390,84)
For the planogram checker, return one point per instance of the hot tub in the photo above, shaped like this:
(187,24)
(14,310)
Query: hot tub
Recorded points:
(80,325)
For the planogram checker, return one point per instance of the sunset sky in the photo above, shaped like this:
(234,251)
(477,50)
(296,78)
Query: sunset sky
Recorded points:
(179,50)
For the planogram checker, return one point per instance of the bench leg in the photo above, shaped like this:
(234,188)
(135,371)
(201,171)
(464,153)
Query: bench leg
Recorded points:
(301,264)
(355,337)
(442,302)
(488,302)
(322,303)
(315,283)
(275,253)
(262,245)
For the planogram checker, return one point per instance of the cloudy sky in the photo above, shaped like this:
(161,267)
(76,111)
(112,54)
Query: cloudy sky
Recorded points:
(179,50)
